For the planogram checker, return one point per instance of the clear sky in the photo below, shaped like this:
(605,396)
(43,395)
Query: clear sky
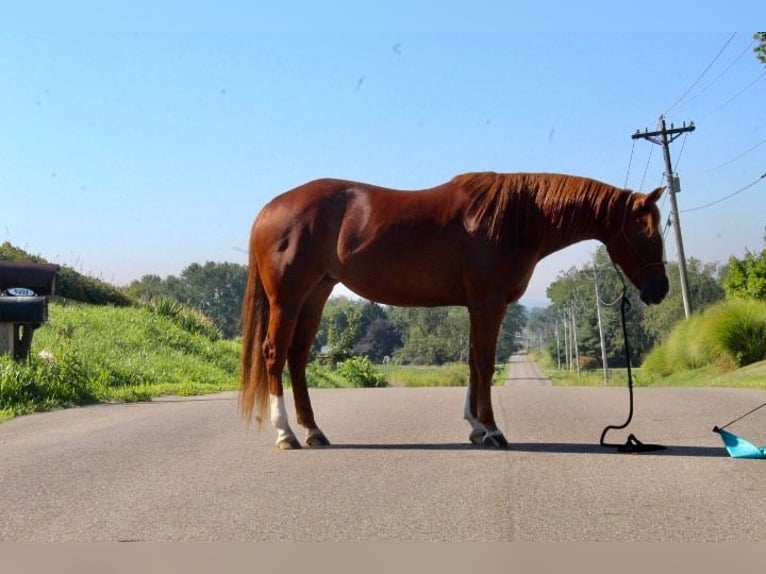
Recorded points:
(143,137)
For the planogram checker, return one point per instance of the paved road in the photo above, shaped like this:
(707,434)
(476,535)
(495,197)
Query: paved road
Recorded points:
(400,469)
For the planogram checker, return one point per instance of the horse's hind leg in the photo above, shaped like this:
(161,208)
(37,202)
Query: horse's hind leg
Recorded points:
(281,326)
(298,356)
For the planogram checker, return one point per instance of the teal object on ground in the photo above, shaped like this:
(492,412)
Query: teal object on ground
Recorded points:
(739,447)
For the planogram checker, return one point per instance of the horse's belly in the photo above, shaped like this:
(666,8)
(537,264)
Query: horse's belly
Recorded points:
(403,285)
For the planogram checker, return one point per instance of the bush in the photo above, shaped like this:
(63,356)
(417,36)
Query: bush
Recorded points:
(738,328)
(360,372)
(727,336)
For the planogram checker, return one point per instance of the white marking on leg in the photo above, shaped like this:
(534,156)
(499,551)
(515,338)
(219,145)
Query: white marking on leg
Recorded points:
(279,419)
(476,426)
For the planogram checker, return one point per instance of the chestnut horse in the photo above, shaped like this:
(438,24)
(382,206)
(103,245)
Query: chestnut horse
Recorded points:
(473,241)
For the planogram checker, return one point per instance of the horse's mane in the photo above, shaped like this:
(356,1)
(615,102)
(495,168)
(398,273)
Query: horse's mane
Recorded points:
(558,196)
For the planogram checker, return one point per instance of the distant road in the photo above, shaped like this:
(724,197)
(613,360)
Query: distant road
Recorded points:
(400,468)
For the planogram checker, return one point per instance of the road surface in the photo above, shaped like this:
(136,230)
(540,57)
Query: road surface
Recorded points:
(400,468)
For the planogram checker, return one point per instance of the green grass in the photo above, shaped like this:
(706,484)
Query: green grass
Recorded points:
(752,376)
(103,354)
(451,375)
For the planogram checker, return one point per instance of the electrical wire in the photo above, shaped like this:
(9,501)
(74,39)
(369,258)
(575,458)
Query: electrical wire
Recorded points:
(646,169)
(681,152)
(630,162)
(725,70)
(705,71)
(735,158)
(717,201)
(739,93)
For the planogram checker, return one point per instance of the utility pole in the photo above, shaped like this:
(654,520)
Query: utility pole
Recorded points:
(604,363)
(665,137)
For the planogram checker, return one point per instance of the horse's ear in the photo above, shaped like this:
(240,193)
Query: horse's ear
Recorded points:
(655,195)
(645,200)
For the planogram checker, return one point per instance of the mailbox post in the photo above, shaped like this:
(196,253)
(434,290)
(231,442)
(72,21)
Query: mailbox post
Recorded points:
(24,291)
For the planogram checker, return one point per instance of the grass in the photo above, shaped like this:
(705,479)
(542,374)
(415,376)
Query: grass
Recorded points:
(86,354)
(449,375)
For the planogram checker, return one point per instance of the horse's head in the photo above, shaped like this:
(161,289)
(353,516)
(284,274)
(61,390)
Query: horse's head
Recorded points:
(637,247)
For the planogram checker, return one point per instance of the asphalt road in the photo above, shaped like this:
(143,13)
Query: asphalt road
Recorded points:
(400,468)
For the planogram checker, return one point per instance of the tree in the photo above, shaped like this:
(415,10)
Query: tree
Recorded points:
(573,294)
(760,49)
(379,341)
(216,289)
(513,324)
(431,335)
(343,327)
(746,278)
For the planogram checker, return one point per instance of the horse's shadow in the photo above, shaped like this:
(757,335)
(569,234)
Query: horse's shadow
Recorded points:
(541,448)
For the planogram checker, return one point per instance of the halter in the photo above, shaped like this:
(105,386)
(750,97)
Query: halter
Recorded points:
(644,263)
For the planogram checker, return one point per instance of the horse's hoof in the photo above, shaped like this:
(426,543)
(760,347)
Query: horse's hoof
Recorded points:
(477,437)
(494,439)
(316,438)
(290,443)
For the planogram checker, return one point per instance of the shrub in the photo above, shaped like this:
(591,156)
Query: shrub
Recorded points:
(738,328)
(726,336)
(360,372)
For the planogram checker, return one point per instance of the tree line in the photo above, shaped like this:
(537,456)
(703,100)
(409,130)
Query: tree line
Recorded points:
(349,327)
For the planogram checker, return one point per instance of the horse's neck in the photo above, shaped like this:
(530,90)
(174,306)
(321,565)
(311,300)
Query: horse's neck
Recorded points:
(591,217)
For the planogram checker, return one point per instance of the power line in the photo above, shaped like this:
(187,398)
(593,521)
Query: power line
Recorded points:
(717,201)
(681,152)
(739,93)
(725,70)
(735,158)
(630,162)
(705,71)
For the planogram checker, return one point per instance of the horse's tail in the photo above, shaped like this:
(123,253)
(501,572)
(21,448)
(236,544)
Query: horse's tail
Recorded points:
(254,389)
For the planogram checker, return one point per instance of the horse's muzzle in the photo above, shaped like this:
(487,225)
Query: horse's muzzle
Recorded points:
(654,289)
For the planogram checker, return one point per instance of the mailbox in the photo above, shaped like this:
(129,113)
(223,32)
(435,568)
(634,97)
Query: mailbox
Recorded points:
(24,291)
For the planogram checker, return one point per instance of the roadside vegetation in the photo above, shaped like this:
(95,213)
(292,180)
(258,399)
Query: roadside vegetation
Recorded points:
(179,336)
(87,354)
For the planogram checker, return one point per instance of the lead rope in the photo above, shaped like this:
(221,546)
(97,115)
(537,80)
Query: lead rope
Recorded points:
(632,444)
(739,418)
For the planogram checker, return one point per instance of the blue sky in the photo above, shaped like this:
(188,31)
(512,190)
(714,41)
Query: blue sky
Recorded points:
(139,139)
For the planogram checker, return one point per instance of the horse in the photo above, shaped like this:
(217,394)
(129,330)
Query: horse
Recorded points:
(473,241)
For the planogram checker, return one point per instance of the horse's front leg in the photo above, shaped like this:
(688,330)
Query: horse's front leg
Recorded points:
(485,327)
